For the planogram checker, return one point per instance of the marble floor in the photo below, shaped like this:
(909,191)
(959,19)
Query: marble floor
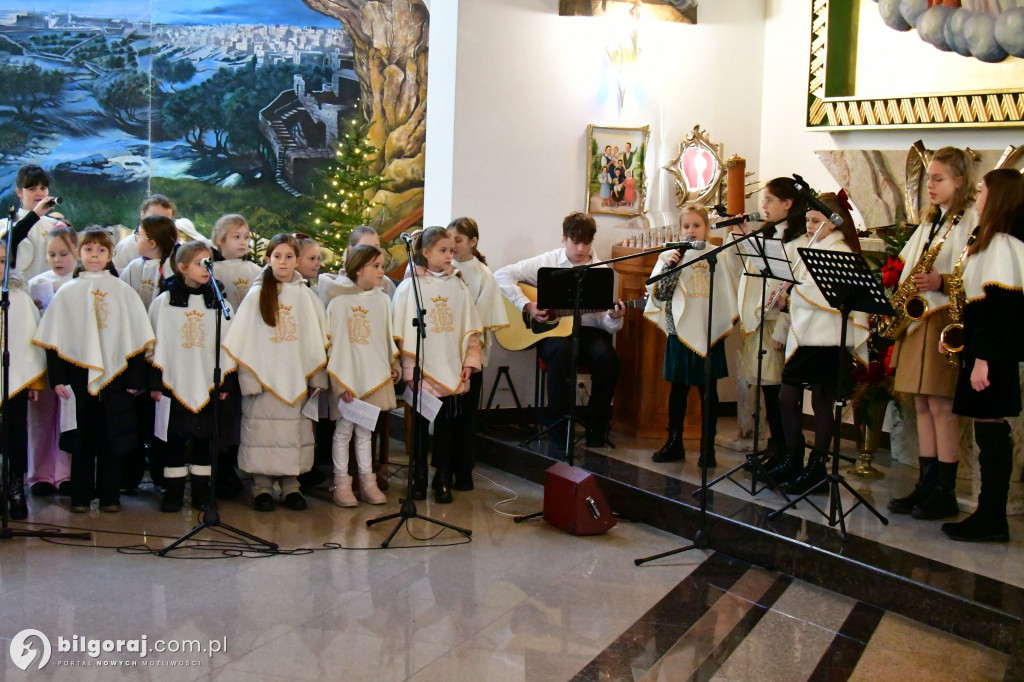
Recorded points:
(995,560)
(513,602)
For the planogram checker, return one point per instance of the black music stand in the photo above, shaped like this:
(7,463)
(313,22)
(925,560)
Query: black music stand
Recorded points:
(590,289)
(769,263)
(847,283)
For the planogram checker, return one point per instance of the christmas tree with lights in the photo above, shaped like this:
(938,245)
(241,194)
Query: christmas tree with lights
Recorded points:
(345,190)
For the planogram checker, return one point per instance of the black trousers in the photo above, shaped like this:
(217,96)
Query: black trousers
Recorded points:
(466,434)
(95,468)
(16,414)
(177,453)
(598,354)
(449,427)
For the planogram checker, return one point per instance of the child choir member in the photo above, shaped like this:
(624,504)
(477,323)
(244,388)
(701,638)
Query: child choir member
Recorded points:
(279,342)
(363,363)
(127,249)
(451,354)
(988,389)
(781,202)
(921,370)
(486,297)
(49,467)
(28,365)
(28,238)
(184,321)
(813,351)
(231,237)
(678,304)
(95,332)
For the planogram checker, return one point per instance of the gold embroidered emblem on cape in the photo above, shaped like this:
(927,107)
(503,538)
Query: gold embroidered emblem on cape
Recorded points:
(182,352)
(282,357)
(237,275)
(448,333)
(364,364)
(96,321)
(690,302)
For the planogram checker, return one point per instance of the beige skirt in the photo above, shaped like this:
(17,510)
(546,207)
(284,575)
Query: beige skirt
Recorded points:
(771,366)
(920,368)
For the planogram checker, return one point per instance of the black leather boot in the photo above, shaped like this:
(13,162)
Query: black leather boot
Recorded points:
(419,482)
(442,485)
(776,453)
(200,491)
(941,501)
(17,507)
(790,468)
(812,478)
(174,494)
(925,483)
(673,449)
(988,522)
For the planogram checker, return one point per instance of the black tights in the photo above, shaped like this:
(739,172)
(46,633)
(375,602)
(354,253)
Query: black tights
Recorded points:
(773,413)
(791,400)
(708,405)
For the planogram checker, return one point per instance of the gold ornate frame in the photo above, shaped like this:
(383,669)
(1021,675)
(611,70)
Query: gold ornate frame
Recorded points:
(996,108)
(698,139)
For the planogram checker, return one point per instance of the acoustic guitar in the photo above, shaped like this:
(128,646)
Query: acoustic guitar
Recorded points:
(523,331)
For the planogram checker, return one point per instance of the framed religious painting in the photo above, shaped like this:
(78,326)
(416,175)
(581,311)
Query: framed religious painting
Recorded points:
(889,64)
(616,174)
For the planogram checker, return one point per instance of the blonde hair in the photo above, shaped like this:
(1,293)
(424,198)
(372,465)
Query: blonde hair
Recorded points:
(961,165)
(224,225)
(693,207)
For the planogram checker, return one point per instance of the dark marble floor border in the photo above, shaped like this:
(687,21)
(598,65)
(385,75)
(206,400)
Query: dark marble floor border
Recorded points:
(960,602)
(666,622)
(843,654)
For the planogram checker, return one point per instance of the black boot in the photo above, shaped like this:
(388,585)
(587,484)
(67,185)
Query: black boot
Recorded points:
(988,522)
(707,455)
(707,447)
(174,494)
(200,491)
(442,485)
(790,468)
(776,453)
(925,483)
(673,449)
(941,501)
(16,498)
(812,478)
(228,484)
(419,482)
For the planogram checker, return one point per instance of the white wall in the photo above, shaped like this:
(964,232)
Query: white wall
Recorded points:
(529,82)
(787,147)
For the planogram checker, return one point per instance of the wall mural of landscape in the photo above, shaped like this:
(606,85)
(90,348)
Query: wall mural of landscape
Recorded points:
(225,106)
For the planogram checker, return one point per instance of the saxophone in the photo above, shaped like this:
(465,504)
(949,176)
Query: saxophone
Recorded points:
(951,339)
(909,304)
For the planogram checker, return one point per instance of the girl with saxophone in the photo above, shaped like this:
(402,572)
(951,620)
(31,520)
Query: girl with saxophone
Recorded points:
(991,288)
(921,370)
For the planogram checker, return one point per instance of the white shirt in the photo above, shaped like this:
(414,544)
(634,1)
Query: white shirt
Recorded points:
(525,271)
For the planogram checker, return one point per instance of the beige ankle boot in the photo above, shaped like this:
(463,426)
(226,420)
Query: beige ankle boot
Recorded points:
(343,496)
(368,490)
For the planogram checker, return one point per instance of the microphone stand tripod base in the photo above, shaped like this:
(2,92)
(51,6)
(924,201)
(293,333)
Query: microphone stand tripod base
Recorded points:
(406,512)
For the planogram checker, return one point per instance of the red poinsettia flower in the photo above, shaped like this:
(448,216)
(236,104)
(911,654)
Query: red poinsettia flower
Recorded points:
(889,369)
(891,272)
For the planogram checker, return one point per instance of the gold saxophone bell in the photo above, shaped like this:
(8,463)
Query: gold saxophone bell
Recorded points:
(952,338)
(916,307)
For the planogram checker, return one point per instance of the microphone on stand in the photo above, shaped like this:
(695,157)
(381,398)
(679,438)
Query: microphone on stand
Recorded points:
(207,263)
(406,238)
(814,203)
(754,217)
(689,244)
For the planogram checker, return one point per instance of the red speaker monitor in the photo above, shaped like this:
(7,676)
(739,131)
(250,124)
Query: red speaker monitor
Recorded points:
(574,503)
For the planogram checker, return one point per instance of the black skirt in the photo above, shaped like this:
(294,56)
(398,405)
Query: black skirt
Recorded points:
(812,365)
(1002,397)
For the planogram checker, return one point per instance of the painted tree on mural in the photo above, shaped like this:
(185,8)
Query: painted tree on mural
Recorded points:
(389,40)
